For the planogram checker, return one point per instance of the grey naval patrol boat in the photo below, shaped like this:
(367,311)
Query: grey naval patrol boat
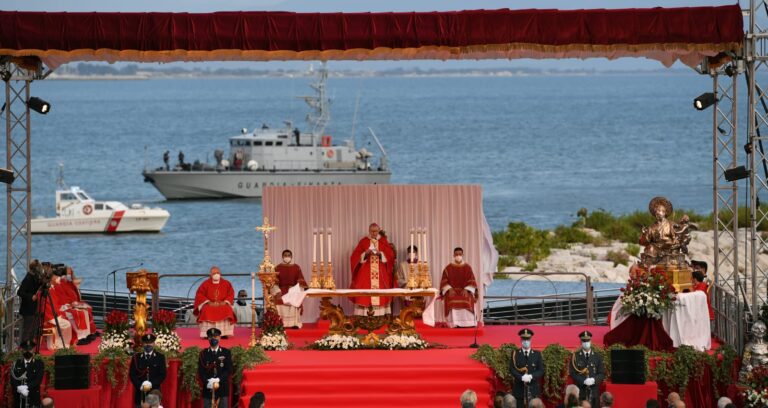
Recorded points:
(275,157)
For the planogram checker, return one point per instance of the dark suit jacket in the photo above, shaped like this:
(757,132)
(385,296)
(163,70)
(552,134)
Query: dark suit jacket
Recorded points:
(34,377)
(146,368)
(595,369)
(535,366)
(28,288)
(216,364)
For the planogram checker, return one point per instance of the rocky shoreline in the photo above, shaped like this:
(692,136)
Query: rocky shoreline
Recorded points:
(592,260)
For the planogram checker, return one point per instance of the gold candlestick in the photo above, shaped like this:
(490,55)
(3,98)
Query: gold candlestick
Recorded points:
(321,274)
(267,274)
(425,282)
(314,283)
(253,342)
(412,282)
(329,282)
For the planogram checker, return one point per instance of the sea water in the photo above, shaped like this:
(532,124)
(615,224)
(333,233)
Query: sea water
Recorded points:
(541,147)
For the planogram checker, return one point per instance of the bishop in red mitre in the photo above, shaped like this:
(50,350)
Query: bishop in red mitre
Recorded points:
(371,269)
(459,292)
(213,305)
(288,275)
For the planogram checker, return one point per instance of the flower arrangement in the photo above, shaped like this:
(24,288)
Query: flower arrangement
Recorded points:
(648,295)
(168,342)
(116,334)
(164,321)
(273,341)
(272,331)
(337,342)
(403,342)
(756,395)
(116,321)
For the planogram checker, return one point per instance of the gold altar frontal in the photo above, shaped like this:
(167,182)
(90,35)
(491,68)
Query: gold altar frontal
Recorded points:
(401,325)
(679,276)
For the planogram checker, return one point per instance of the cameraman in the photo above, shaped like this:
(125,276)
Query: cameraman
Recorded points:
(29,293)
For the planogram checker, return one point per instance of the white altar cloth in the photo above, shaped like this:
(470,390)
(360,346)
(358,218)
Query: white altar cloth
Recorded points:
(295,297)
(687,324)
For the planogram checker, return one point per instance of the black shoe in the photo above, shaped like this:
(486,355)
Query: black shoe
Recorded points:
(82,342)
(224,337)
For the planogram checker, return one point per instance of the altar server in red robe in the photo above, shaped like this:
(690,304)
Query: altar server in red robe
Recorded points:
(288,275)
(213,305)
(459,291)
(699,272)
(57,295)
(371,269)
(79,313)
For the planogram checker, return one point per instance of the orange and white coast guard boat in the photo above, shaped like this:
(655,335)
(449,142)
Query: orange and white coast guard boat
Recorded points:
(77,212)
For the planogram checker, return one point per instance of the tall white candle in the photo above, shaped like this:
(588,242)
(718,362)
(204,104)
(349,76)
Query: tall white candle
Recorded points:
(253,287)
(322,237)
(422,243)
(425,245)
(411,245)
(329,245)
(314,245)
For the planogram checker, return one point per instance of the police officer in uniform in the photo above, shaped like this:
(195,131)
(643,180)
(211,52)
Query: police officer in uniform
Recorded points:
(587,370)
(26,377)
(527,367)
(214,369)
(147,369)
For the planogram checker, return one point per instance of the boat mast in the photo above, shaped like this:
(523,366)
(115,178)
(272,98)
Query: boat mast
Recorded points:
(60,184)
(319,103)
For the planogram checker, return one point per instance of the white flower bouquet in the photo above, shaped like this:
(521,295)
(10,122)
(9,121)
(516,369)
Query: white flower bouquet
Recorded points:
(115,340)
(338,342)
(168,342)
(273,341)
(403,342)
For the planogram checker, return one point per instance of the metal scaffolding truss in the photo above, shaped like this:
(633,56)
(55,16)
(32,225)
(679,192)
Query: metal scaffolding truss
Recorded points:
(756,59)
(18,194)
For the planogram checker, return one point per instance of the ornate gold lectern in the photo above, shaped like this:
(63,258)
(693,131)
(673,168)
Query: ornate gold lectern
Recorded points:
(141,282)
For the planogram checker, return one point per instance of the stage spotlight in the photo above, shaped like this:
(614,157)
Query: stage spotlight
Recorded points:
(704,101)
(736,173)
(38,105)
(6,176)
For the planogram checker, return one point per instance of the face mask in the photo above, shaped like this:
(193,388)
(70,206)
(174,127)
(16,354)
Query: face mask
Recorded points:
(241,302)
(287,259)
(216,277)
(586,345)
(213,342)
(526,344)
(148,349)
(28,355)
(457,258)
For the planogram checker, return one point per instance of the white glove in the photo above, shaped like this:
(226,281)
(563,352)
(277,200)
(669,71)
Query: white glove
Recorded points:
(527,378)
(215,380)
(210,383)
(146,386)
(589,381)
(20,389)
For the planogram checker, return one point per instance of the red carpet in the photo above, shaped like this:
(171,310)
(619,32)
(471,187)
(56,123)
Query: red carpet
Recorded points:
(368,378)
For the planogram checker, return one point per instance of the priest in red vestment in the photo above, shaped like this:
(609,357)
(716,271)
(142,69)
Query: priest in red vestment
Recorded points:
(79,313)
(459,292)
(57,295)
(699,272)
(288,275)
(371,269)
(213,305)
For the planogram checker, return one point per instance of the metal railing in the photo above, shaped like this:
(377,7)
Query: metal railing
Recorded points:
(571,308)
(730,317)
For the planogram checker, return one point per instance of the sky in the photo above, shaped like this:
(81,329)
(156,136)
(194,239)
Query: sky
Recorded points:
(325,6)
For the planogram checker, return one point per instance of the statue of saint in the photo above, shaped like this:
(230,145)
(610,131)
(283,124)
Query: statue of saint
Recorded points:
(756,351)
(664,241)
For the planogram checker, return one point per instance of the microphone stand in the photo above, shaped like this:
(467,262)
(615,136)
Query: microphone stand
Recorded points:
(474,343)
(114,281)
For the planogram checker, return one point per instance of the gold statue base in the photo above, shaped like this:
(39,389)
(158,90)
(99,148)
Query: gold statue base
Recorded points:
(680,277)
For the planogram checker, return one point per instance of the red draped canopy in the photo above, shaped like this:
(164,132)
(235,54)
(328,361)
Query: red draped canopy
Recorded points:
(664,34)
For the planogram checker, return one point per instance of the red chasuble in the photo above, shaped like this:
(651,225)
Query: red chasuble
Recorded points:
(212,292)
(58,295)
(373,273)
(69,296)
(288,276)
(458,277)
(703,287)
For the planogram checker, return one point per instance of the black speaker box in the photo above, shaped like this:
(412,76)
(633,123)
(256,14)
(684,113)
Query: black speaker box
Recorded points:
(628,366)
(73,372)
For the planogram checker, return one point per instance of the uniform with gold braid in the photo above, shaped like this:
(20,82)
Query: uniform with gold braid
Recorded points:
(526,364)
(587,370)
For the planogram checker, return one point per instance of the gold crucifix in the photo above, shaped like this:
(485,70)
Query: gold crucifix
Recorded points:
(265,229)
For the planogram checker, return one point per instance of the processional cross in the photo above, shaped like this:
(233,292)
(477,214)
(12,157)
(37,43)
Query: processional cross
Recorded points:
(265,229)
